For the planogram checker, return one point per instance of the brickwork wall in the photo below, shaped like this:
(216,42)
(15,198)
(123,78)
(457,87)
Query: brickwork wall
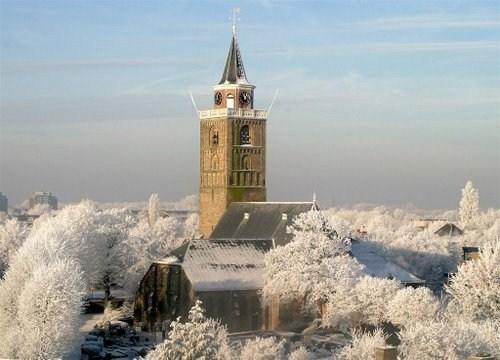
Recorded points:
(230,171)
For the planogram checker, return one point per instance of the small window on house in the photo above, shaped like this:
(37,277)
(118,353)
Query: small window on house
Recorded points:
(245,135)
(230,101)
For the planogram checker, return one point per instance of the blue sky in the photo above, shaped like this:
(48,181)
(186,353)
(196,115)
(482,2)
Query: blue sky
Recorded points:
(388,102)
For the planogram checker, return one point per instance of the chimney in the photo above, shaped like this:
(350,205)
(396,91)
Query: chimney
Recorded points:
(386,353)
(470,253)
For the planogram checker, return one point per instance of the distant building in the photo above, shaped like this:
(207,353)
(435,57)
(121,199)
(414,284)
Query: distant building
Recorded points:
(44,198)
(4,203)
(423,224)
(449,229)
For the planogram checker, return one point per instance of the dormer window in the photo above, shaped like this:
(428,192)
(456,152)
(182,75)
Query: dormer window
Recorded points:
(245,135)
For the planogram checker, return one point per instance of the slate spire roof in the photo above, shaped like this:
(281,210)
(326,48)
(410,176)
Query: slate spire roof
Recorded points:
(234,72)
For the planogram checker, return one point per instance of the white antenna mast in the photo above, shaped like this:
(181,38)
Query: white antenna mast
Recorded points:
(272,102)
(194,102)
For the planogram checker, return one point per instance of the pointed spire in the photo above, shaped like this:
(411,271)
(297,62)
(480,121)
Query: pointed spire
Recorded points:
(234,72)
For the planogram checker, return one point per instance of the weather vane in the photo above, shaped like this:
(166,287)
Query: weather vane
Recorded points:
(235,18)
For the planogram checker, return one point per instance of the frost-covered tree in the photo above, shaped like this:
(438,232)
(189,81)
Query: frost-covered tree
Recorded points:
(411,305)
(429,340)
(112,227)
(153,209)
(263,349)
(39,209)
(42,286)
(49,306)
(366,301)
(198,338)
(469,205)
(475,288)
(12,235)
(370,298)
(147,244)
(191,225)
(362,346)
(309,269)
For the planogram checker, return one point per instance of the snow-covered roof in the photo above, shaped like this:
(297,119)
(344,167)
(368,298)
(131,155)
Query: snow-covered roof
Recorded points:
(449,229)
(259,220)
(218,265)
(378,266)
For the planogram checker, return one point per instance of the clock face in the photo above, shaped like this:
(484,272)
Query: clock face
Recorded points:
(245,98)
(218,98)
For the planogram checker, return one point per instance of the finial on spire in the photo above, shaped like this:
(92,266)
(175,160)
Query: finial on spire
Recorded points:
(236,12)
(314,197)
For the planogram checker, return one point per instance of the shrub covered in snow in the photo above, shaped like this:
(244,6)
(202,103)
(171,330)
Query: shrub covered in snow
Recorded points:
(371,298)
(458,339)
(263,349)
(198,338)
(475,288)
(367,302)
(410,305)
(301,354)
(363,346)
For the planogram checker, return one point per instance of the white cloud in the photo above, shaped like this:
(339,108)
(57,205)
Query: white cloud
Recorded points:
(429,46)
(428,22)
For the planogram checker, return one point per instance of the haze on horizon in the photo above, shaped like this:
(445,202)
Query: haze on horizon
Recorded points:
(379,102)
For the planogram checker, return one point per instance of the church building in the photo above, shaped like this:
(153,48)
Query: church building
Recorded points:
(232,145)
(226,269)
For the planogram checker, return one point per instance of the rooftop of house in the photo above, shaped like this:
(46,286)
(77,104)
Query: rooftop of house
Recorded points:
(378,266)
(260,220)
(449,229)
(219,265)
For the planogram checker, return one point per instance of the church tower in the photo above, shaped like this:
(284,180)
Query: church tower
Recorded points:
(232,144)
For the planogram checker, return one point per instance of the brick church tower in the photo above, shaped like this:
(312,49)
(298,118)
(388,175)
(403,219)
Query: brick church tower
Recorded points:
(232,145)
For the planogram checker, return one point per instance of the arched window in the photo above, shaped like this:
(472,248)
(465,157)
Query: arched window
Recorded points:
(245,162)
(214,137)
(230,101)
(244,135)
